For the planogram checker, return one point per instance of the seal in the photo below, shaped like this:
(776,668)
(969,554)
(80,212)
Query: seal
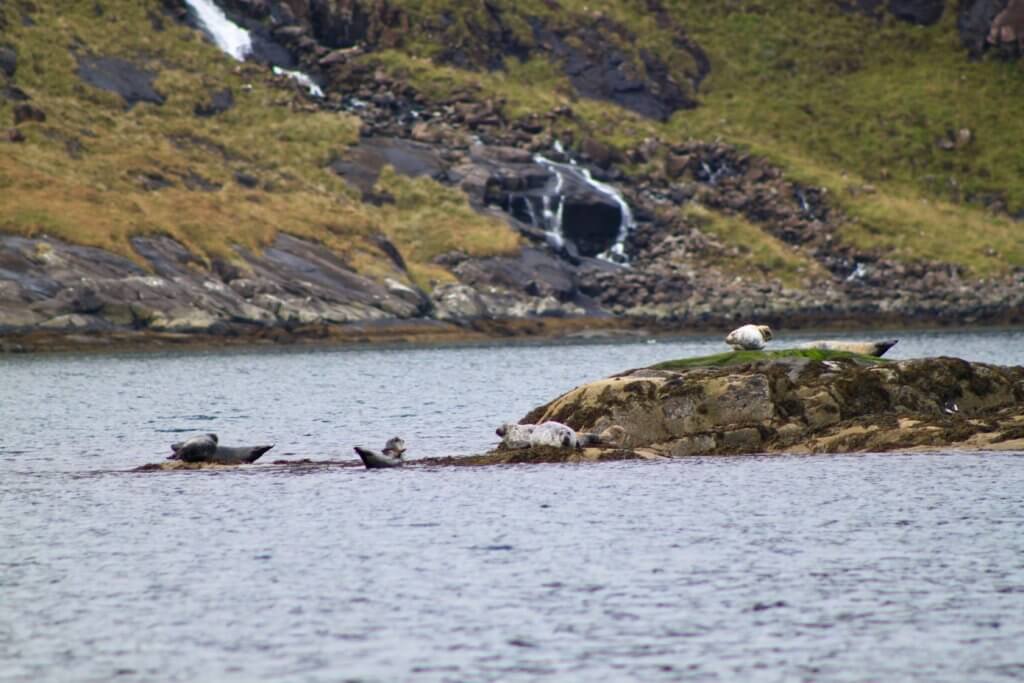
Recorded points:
(196,449)
(514,435)
(205,448)
(238,455)
(391,456)
(749,337)
(612,436)
(554,435)
(866,348)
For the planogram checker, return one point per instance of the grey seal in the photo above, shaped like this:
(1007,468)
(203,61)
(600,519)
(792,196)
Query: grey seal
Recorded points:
(866,348)
(391,456)
(196,449)
(205,448)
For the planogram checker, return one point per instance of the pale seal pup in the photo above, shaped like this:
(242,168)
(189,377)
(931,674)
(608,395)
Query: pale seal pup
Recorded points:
(749,337)
(877,348)
(391,456)
(554,434)
(514,435)
(196,449)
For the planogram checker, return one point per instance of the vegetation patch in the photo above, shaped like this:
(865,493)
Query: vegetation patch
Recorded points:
(731,358)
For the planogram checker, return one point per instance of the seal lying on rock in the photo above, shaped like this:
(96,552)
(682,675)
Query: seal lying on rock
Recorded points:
(554,434)
(391,456)
(205,448)
(749,337)
(877,348)
(197,449)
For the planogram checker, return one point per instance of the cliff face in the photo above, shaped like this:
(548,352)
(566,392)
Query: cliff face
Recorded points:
(506,161)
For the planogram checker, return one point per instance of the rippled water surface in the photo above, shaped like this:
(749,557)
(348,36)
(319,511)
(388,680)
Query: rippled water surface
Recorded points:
(839,568)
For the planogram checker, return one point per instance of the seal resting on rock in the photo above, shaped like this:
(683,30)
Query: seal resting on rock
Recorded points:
(205,448)
(554,434)
(749,337)
(196,449)
(877,348)
(391,456)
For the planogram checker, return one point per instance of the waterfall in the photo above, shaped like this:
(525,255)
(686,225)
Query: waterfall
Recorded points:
(302,79)
(229,37)
(236,41)
(553,219)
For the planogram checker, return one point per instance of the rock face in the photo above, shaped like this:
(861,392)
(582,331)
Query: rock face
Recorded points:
(800,401)
(294,283)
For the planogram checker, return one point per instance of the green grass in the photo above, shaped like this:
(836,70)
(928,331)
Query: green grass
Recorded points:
(731,358)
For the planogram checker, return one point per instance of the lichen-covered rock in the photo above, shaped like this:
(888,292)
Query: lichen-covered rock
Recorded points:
(801,401)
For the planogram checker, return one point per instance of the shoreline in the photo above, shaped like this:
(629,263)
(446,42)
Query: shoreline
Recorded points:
(435,333)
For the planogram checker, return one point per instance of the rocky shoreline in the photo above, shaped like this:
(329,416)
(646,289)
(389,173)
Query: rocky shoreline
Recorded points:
(778,402)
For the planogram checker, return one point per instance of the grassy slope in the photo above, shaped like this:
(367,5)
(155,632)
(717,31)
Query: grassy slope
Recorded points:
(841,101)
(98,199)
(838,100)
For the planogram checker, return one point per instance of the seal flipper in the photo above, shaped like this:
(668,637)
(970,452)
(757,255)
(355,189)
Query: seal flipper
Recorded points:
(257,452)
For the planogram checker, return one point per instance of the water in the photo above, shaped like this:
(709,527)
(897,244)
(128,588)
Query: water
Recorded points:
(228,36)
(835,568)
(553,221)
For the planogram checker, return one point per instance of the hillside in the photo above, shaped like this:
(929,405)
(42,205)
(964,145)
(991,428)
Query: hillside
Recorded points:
(812,162)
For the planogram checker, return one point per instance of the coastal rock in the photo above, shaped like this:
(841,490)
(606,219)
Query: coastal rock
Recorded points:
(800,401)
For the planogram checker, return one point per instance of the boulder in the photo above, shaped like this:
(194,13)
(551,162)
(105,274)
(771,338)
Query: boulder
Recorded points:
(799,401)
(133,83)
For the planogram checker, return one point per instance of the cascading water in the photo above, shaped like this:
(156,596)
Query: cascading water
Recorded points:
(553,217)
(237,42)
(302,79)
(229,36)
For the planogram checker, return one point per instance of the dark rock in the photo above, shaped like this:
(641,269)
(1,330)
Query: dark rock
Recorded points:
(197,183)
(217,103)
(974,20)
(13,135)
(246,179)
(361,165)
(151,181)
(73,147)
(920,12)
(8,61)
(27,112)
(120,76)
(13,94)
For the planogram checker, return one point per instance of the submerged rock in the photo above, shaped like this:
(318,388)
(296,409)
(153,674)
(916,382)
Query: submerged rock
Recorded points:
(800,401)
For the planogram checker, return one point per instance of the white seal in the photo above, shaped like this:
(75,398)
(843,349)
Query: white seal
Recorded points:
(749,337)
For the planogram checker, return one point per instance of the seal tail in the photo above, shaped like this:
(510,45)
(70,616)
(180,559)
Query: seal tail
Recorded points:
(883,346)
(257,452)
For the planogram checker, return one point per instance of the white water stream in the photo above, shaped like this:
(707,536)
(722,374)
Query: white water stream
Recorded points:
(229,36)
(236,41)
(553,219)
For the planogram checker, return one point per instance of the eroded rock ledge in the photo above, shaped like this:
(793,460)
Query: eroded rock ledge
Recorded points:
(800,402)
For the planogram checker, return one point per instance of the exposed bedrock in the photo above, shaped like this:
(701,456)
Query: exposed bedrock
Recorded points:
(752,402)
(48,284)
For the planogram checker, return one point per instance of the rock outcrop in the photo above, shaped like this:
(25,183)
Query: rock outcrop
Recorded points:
(800,401)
